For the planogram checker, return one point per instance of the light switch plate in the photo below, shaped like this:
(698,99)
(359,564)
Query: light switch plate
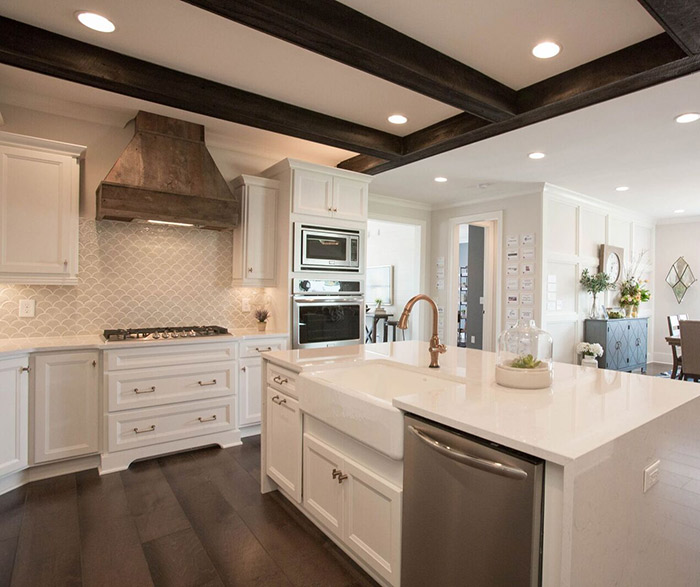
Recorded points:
(651,475)
(245,305)
(27,308)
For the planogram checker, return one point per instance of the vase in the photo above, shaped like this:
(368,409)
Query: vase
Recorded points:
(635,311)
(594,314)
(262,326)
(628,311)
(589,361)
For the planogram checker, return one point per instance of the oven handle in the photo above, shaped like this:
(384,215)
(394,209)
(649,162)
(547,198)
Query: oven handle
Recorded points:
(314,300)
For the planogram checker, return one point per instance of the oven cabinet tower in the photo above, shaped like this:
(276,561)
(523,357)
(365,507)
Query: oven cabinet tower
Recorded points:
(167,397)
(315,195)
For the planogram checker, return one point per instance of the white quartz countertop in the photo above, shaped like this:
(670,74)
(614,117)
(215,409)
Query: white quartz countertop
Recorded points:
(584,410)
(17,346)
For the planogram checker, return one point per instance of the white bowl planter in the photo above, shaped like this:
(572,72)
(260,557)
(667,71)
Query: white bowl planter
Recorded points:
(516,378)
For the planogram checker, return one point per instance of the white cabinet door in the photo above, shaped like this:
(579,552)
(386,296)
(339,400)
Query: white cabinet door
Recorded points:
(283,436)
(249,390)
(349,199)
(14,417)
(323,492)
(65,406)
(261,228)
(373,520)
(38,215)
(312,193)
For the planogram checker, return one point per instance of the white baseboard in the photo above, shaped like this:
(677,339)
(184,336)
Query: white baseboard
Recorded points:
(253,430)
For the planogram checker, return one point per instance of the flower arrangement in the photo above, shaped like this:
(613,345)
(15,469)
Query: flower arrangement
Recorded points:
(262,314)
(588,349)
(633,289)
(595,284)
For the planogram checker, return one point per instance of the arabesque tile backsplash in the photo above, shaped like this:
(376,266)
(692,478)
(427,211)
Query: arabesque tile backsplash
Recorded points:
(136,275)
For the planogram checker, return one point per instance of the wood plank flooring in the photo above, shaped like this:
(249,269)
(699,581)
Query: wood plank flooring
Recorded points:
(190,519)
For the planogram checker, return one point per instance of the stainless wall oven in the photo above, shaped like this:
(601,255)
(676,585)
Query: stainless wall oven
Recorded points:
(319,248)
(327,313)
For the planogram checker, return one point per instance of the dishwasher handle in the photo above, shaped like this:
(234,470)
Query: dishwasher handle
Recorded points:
(469,460)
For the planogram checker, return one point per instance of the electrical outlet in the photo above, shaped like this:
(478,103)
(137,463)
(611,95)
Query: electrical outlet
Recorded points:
(473,339)
(27,308)
(651,475)
(245,306)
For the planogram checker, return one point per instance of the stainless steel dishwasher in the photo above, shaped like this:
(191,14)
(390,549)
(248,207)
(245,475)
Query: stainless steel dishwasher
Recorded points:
(472,511)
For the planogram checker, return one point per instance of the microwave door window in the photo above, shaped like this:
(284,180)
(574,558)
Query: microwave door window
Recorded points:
(329,323)
(326,248)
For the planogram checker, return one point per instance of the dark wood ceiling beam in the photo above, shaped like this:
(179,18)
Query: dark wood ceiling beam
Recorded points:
(640,66)
(338,32)
(680,19)
(38,50)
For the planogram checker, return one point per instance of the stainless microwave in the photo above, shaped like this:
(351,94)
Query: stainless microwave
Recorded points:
(319,248)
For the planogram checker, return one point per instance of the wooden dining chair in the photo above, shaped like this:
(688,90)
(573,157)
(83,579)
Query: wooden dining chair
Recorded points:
(690,341)
(674,328)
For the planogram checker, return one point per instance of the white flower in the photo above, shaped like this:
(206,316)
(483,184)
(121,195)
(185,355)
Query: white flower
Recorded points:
(587,348)
(582,348)
(596,349)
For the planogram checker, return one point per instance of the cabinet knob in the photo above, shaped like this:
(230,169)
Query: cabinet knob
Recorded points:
(244,369)
(94,363)
(335,209)
(25,369)
(65,263)
(250,269)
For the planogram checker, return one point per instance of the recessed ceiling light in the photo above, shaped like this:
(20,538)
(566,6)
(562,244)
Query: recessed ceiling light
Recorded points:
(546,49)
(688,117)
(680,211)
(537,155)
(441,179)
(397,119)
(621,188)
(95,22)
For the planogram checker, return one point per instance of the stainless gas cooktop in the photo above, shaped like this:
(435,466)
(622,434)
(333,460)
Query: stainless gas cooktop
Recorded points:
(164,333)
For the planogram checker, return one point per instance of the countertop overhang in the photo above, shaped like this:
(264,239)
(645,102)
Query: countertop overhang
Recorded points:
(584,410)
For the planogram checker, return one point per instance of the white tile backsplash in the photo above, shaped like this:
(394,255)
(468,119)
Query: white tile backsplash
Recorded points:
(136,275)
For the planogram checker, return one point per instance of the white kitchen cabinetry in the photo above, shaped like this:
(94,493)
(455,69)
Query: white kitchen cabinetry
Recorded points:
(39,190)
(65,404)
(164,397)
(354,504)
(283,440)
(14,418)
(250,384)
(254,241)
(320,194)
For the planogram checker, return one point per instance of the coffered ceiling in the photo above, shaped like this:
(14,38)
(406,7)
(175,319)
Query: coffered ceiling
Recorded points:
(331,73)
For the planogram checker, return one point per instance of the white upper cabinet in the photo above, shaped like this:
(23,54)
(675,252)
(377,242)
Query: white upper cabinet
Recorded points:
(39,191)
(323,194)
(254,241)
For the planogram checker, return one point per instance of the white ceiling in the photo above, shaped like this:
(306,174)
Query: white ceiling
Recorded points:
(631,140)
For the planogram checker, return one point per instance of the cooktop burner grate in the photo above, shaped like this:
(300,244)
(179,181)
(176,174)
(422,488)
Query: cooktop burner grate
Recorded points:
(163,333)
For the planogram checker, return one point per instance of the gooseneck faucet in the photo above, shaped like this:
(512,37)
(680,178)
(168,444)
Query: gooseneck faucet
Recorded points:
(435,346)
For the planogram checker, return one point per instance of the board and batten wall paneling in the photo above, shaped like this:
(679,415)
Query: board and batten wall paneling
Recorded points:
(574,228)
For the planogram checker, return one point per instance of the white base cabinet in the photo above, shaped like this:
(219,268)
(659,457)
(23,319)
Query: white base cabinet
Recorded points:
(250,384)
(283,442)
(355,505)
(65,405)
(14,418)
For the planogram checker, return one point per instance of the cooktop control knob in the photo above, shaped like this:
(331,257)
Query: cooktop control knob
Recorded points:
(304,285)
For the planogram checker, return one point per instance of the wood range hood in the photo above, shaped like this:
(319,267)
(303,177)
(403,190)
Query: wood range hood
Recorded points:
(166,173)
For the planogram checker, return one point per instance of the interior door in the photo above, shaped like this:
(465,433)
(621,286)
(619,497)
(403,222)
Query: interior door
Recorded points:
(475,291)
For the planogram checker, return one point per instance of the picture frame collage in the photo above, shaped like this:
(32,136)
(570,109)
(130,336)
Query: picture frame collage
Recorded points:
(520,278)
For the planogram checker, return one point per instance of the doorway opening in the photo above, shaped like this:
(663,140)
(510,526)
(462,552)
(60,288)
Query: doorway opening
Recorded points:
(474,281)
(395,262)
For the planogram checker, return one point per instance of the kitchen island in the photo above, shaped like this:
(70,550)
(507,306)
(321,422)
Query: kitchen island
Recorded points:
(597,430)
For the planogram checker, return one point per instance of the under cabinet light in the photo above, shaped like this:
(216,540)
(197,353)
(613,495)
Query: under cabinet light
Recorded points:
(169,223)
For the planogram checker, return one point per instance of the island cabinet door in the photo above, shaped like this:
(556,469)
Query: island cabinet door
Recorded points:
(323,491)
(373,520)
(284,442)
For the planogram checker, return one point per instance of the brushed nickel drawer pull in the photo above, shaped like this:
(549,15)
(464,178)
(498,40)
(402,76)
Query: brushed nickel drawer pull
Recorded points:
(336,473)
(279,379)
(207,419)
(151,429)
(263,350)
(276,400)
(149,390)
(25,369)
(204,383)
(342,477)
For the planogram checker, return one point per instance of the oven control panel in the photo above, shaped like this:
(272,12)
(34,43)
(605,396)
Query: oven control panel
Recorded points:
(327,286)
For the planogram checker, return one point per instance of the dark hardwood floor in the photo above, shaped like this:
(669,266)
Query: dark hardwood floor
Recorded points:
(189,519)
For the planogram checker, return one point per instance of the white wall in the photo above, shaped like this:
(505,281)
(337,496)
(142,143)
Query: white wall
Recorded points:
(399,245)
(521,214)
(673,241)
(574,228)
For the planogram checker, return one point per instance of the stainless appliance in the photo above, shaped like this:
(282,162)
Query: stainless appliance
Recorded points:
(318,248)
(472,511)
(164,333)
(327,313)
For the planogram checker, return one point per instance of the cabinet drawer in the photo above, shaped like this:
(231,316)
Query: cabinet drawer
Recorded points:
(140,388)
(156,425)
(253,348)
(282,379)
(164,354)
